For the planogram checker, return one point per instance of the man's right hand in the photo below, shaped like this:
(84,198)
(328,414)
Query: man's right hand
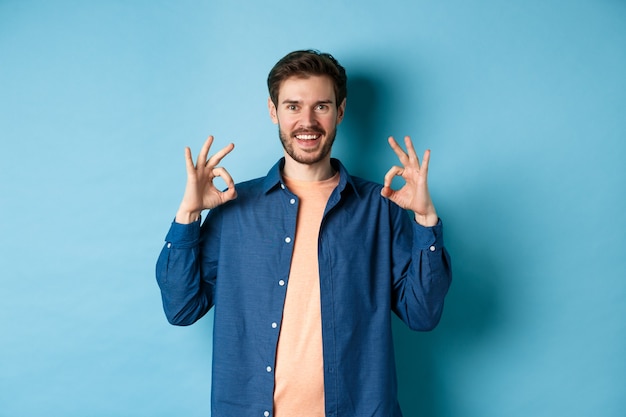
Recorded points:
(200,192)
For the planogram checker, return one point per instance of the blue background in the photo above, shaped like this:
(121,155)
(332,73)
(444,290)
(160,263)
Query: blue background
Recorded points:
(522,103)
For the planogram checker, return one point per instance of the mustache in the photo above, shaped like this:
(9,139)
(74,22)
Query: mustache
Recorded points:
(308,131)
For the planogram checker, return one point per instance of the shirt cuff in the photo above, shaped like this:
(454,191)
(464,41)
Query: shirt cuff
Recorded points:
(430,238)
(184,235)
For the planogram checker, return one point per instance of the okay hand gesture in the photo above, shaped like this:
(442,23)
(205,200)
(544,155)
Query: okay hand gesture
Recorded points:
(414,194)
(200,192)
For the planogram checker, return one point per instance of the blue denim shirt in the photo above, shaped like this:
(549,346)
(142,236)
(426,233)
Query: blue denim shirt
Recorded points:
(373,259)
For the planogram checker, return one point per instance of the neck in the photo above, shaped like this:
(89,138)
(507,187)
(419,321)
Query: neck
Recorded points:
(319,171)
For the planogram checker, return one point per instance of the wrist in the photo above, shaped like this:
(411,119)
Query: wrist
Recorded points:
(185,217)
(427,220)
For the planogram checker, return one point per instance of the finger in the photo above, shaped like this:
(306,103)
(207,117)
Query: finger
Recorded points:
(204,152)
(402,156)
(387,191)
(394,171)
(189,162)
(221,172)
(215,159)
(425,161)
(411,151)
(224,175)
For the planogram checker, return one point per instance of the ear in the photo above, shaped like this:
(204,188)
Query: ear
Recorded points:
(341,110)
(272,109)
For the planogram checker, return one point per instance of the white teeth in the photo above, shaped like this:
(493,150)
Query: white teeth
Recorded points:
(306,137)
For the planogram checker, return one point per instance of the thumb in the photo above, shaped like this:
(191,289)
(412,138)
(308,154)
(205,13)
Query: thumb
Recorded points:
(386,192)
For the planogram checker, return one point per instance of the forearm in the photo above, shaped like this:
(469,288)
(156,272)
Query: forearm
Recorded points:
(421,298)
(186,297)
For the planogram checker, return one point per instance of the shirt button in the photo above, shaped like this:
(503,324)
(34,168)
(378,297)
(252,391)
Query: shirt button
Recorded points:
(274,325)
(268,369)
(283,187)
(432,248)
(266,414)
(287,240)
(169,245)
(292,201)
(281,283)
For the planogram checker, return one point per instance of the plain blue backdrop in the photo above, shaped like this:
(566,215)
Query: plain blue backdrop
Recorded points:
(522,103)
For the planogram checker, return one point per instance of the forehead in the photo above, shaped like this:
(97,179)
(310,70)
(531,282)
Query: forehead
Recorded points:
(314,88)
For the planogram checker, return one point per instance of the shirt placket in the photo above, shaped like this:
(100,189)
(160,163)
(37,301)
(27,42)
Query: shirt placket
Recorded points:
(331,393)
(290,203)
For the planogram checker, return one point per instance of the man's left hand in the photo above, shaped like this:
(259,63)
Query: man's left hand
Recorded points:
(414,194)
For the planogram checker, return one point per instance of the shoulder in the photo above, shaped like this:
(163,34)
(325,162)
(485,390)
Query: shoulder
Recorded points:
(366,187)
(248,192)
(362,187)
(253,186)
(367,194)
(367,191)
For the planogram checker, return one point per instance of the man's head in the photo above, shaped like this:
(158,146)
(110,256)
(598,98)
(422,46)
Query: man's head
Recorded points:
(306,63)
(307,102)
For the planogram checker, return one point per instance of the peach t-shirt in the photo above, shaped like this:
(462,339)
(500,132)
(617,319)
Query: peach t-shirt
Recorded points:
(299,370)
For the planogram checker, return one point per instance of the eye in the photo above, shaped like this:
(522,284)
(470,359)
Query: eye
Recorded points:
(322,107)
(292,107)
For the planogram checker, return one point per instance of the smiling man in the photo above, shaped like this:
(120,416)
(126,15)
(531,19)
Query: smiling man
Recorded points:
(307,114)
(305,266)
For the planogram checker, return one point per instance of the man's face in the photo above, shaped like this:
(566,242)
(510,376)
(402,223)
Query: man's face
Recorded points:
(307,118)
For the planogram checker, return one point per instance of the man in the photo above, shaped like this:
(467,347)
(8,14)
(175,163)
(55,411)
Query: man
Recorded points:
(304,266)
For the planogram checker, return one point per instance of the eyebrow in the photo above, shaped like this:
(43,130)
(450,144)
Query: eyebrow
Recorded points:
(300,101)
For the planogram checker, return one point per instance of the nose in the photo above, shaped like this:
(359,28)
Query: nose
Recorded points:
(308,118)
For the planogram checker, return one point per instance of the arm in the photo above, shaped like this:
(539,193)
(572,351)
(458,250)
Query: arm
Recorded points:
(423,282)
(419,293)
(185,274)
(185,293)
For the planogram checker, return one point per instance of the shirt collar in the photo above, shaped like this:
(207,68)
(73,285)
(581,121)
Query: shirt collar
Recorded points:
(274,178)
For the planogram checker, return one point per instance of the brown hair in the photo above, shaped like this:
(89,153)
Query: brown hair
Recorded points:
(305,64)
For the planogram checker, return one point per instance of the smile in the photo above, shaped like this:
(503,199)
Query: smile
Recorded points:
(307,137)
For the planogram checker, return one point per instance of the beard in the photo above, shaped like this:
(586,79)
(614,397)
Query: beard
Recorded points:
(308,157)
